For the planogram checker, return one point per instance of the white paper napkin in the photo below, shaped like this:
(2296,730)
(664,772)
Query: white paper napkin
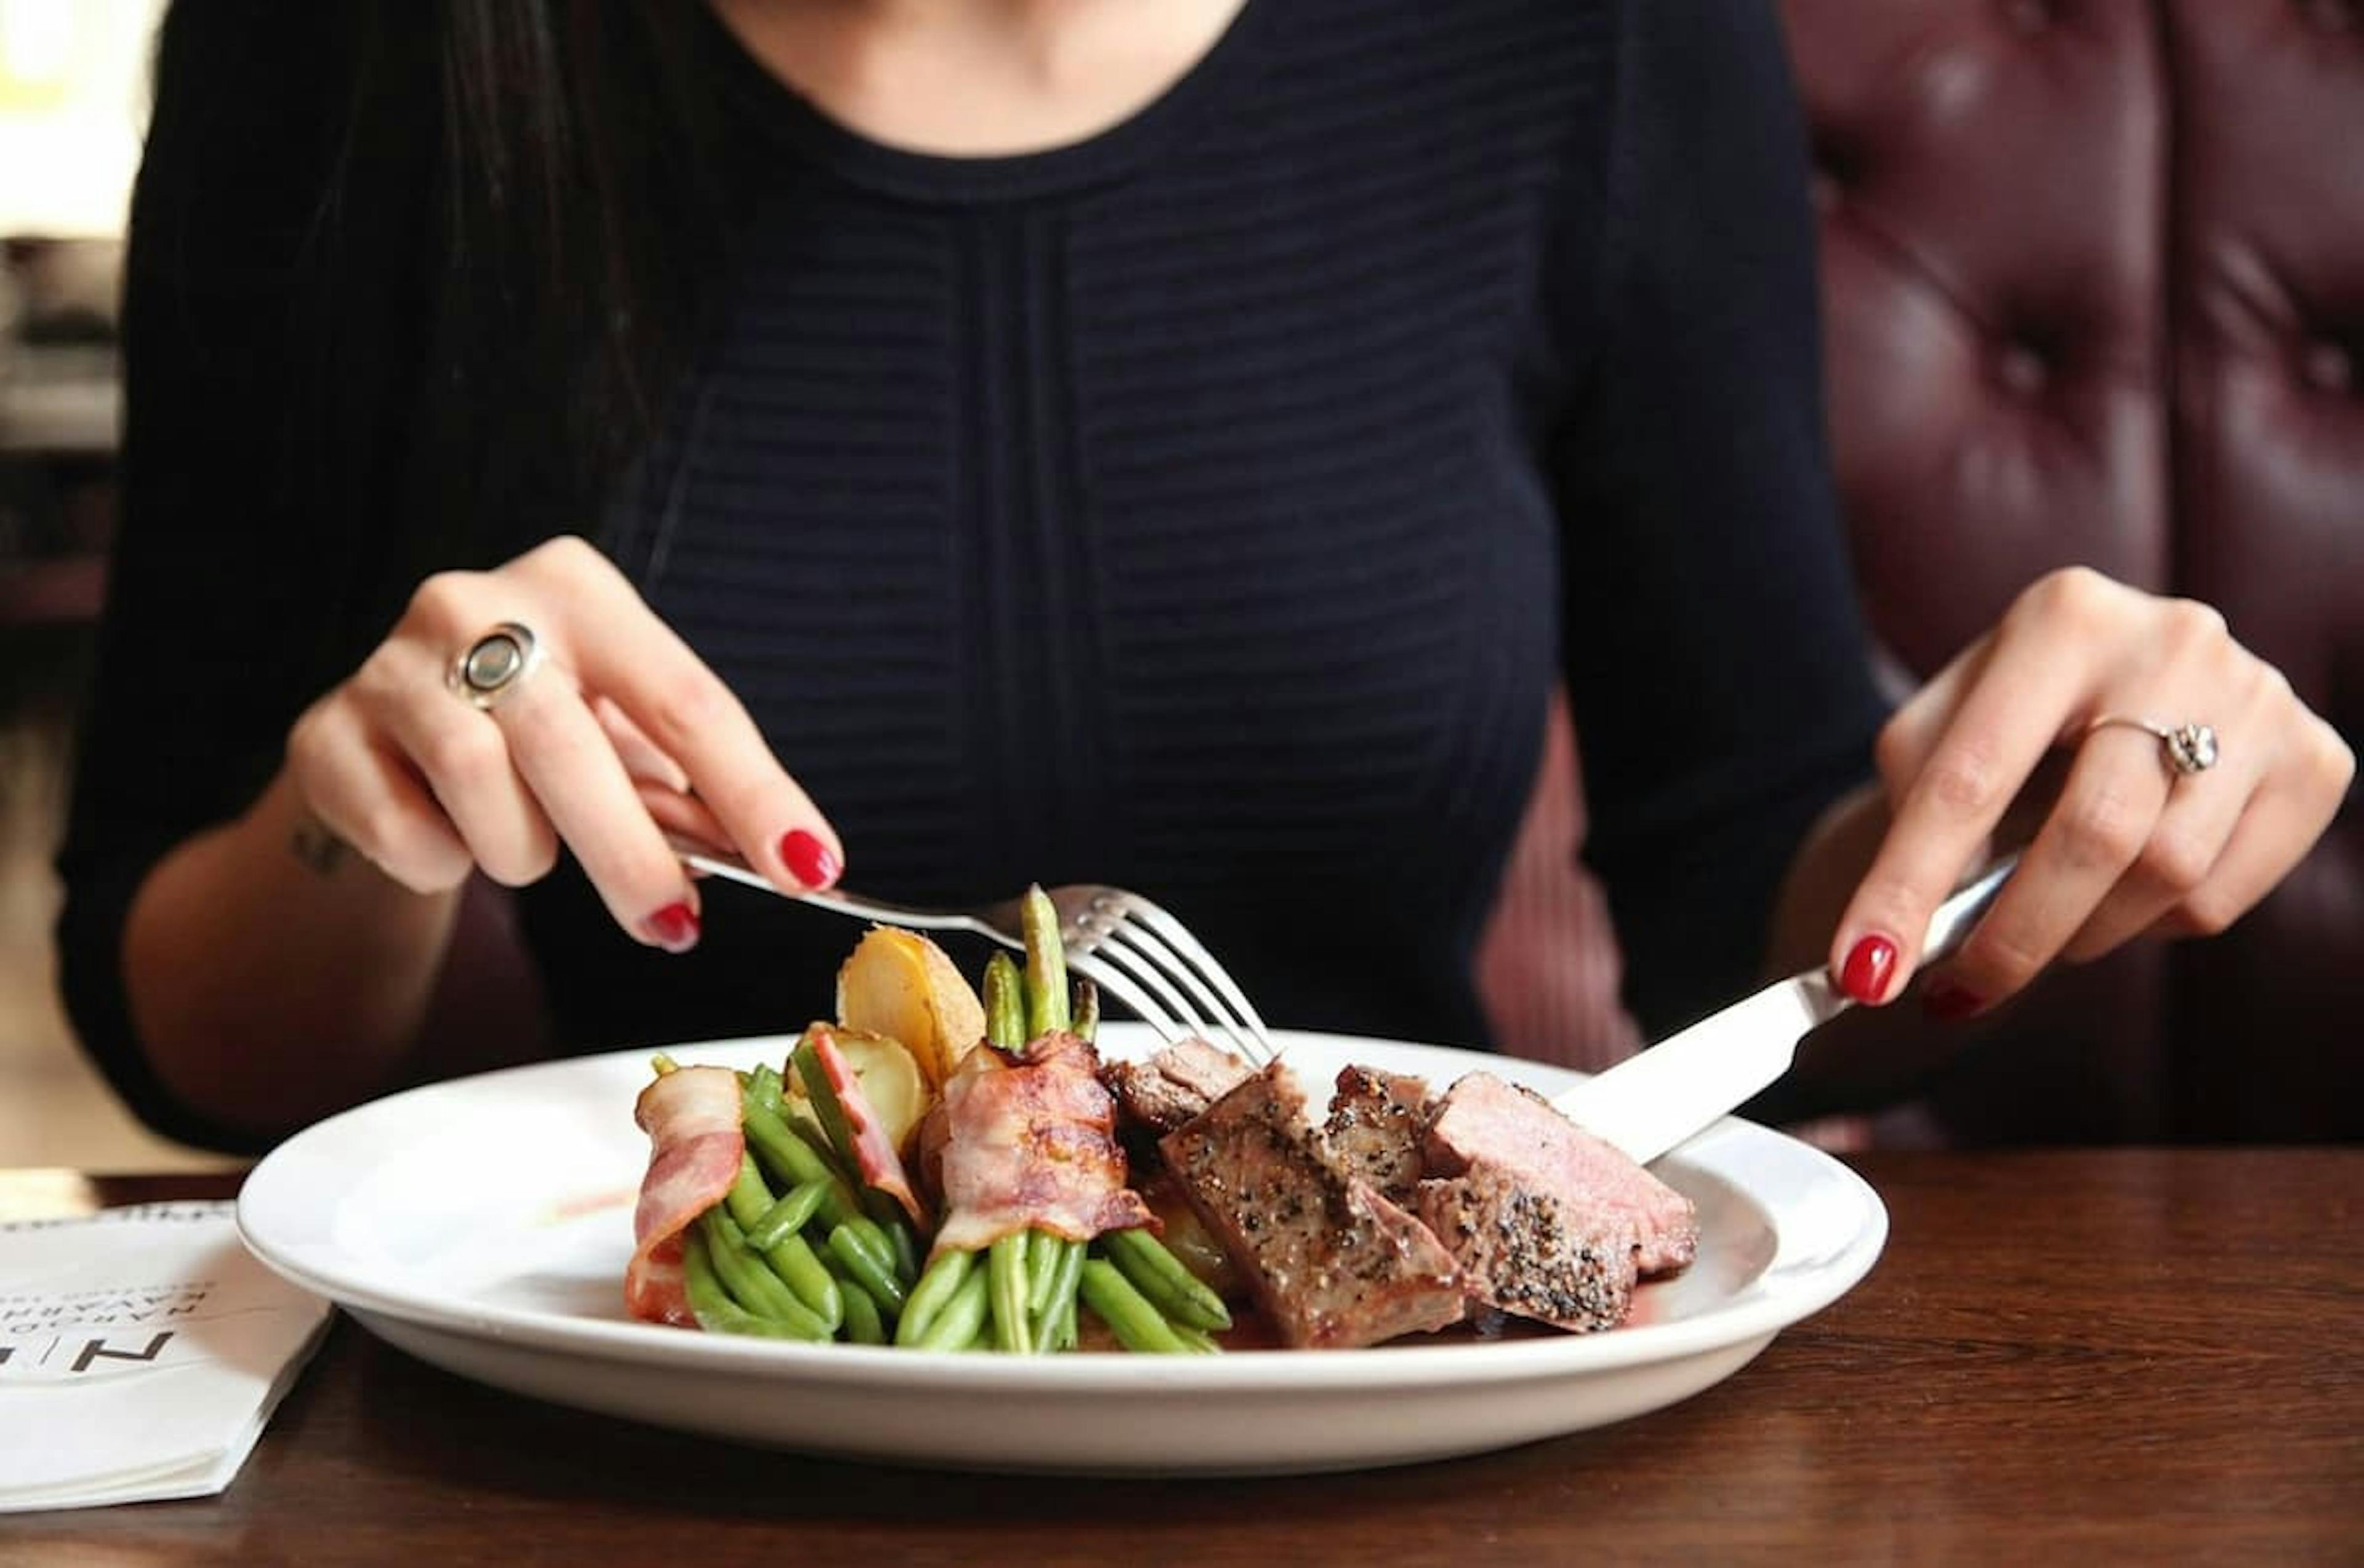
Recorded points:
(142,1349)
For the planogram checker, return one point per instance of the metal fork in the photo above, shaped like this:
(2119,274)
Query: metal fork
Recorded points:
(1129,947)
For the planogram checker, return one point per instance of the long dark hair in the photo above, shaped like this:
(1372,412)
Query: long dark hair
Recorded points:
(505,227)
(582,200)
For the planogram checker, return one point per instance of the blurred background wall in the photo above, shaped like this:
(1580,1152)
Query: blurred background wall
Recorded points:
(73,90)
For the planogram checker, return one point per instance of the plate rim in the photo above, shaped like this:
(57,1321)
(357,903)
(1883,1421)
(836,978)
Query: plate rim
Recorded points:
(1779,1298)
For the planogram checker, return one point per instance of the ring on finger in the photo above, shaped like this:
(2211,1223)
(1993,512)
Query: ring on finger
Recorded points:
(495,665)
(2184,748)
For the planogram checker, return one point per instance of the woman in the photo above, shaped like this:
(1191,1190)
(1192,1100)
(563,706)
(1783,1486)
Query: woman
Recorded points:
(1026,441)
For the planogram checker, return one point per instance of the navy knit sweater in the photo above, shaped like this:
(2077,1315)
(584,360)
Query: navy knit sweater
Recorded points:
(1209,507)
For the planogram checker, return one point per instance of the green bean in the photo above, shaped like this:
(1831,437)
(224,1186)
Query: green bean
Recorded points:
(882,1215)
(1136,1324)
(761,1084)
(1195,1339)
(850,1286)
(887,1307)
(863,1326)
(878,1246)
(962,1316)
(751,1283)
(816,1137)
(789,1259)
(945,1275)
(1004,1003)
(1057,1300)
(1087,1011)
(711,1304)
(1180,1296)
(890,1242)
(748,1197)
(1006,1262)
(792,1259)
(876,1275)
(1046,966)
(793,1163)
(906,1248)
(767,1129)
(786,1218)
(1042,1250)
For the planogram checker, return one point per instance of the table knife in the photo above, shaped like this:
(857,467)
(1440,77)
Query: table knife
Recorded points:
(1653,1101)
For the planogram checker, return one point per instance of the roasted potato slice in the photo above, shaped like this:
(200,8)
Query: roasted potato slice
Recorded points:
(900,984)
(890,1078)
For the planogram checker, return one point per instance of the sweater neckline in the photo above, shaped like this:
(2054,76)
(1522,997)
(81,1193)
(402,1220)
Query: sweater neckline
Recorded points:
(1098,158)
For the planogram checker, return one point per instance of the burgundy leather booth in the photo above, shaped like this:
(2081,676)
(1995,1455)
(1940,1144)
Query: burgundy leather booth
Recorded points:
(2094,293)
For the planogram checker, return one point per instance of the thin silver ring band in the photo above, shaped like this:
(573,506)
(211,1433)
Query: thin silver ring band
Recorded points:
(2185,749)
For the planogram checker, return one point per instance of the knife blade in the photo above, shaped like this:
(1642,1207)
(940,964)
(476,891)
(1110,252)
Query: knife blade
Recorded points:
(1653,1101)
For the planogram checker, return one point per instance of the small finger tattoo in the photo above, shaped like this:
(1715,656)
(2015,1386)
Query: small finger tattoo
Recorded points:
(321,850)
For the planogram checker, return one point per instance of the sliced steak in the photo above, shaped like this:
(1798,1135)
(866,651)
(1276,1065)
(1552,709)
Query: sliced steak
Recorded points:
(1377,1123)
(1175,1084)
(1483,1122)
(1333,1263)
(1526,1252)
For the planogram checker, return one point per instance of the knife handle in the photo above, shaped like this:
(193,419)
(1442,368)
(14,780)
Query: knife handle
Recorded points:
(1956,915)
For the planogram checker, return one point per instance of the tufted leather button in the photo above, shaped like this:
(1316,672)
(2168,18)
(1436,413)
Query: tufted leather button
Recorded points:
(1835,167)
(2328,367)
(2028,16)
(2023,371)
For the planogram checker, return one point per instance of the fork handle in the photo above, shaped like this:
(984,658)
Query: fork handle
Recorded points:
(861,907)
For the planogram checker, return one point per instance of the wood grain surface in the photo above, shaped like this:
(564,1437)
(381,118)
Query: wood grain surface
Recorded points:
(2107,1356)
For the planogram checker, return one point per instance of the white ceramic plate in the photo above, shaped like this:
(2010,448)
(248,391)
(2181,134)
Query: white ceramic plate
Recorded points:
(483,1224)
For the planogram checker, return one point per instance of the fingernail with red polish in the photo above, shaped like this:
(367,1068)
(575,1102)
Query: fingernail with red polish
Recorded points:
(672,928)
(1947,1001)
(1868,964)
(808,859)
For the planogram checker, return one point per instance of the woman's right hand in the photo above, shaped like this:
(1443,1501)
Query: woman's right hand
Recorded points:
(617,735)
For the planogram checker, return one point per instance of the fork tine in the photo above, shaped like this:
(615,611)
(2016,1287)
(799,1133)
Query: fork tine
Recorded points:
(1139,939)
(1136,967)
(1116,984)
(1157,918)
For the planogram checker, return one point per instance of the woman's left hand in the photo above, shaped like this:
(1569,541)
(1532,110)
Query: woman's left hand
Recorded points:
(2131,844)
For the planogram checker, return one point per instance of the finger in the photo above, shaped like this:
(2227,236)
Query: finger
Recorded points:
(2106,816)
(2284,819)
(688,713)
(1912,731)
(2186,846)
(2001,725)
(642,758)
(368,797)
(2182,856)
(682,816)
(465,760)
(565,758)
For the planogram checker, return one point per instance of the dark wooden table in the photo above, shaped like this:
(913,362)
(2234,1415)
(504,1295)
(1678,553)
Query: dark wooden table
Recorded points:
(2122,1356)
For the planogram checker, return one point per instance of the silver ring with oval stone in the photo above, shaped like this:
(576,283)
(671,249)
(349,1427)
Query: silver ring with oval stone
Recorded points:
(495,664)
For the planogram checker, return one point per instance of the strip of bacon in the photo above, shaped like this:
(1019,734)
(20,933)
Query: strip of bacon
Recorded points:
(847,1106)
(691,1116)
(1031,1144)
